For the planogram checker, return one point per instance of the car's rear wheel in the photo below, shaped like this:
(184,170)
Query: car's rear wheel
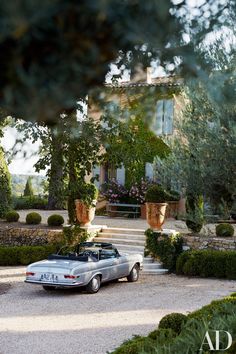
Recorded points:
(94,285)
(134,274)
(49,288)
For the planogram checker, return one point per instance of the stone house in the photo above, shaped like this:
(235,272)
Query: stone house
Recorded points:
(167,103)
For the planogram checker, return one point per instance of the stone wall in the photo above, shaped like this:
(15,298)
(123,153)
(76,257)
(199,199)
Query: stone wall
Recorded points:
(216,243)
(29,237)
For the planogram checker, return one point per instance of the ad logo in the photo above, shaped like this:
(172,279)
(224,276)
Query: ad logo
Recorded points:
(208,342)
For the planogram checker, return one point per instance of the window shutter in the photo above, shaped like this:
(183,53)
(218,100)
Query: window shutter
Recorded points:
(158,124)
(96,171)
(168,116)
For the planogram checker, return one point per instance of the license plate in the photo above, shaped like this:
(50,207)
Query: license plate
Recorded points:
(49,277)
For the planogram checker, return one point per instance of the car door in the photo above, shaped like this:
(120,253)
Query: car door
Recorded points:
(110,262)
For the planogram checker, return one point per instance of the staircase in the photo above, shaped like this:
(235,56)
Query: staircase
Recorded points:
(130,241)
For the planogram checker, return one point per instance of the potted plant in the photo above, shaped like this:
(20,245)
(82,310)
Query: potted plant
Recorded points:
(156,206)
(86,203)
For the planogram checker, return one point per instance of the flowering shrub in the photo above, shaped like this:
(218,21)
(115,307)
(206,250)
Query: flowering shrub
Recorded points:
(114,191)
(138,191)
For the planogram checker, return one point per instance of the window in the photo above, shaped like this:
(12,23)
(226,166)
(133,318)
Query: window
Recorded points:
(106,254)
(163,123)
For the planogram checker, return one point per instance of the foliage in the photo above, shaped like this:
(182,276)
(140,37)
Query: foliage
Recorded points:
(55,220)
(5,187)
(135,345)
(125,141)
(107,32)
(208,112)
(23,255)
(155,194)
(74,234)
(192,329)
(172,196)
(12,216)
(18,183)
(34,202)
(164,247)
(224,230)
(207,263)
(87,193)
(28,191)
(194,212)
(113,191)
(138,191)
(33,218)
(173,321)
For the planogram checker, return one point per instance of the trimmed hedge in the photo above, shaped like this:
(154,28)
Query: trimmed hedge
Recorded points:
(55,220)
(224,230)
(23,255)
(218,314)
(207,263)
(33,202)
(12,216)
(173,321)
(33,218)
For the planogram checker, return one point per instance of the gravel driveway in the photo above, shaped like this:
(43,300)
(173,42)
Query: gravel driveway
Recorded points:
(33,321)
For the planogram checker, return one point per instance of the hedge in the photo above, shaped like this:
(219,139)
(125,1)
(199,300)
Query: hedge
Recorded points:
(23,255)
(192,328)
(24,203)
(207,263)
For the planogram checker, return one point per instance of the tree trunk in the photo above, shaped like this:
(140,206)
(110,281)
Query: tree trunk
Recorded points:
(56,178)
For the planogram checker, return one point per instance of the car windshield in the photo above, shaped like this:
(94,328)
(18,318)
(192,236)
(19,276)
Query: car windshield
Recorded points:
(88,251)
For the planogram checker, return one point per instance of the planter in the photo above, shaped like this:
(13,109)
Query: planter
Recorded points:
(172,209)
(156,215)
(84,214)
(143,211)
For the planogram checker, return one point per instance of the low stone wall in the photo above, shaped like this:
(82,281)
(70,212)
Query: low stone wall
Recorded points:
(29,237)
(215,243)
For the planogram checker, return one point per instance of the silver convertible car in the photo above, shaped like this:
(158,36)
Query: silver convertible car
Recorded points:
(87,264)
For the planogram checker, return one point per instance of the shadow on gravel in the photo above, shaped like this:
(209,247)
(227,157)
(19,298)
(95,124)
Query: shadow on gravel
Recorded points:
(4,288)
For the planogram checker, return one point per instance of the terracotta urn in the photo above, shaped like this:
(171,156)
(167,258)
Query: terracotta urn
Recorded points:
(143,211)
(156,215)
(84,214)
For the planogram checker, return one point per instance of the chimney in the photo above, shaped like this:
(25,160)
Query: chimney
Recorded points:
(149,73)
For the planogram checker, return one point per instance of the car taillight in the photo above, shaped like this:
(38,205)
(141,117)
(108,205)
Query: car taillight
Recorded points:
(67,276)
(29,273)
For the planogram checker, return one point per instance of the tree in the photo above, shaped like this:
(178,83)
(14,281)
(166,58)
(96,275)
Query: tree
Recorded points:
(5,180)
(5,187)
(28,191)
(51,157)
(130,142)
(72,44)
(203,156)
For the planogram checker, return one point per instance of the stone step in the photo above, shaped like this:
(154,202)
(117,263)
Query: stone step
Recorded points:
(121,241)
(121,236)
(155,272)
(129,249)
(152,266)
(148,260)
(123,231)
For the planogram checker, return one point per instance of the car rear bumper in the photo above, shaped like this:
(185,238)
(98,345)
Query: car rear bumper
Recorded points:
(67,285)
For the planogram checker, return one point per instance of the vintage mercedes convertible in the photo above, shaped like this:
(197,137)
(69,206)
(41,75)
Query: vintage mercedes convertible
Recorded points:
(87,264)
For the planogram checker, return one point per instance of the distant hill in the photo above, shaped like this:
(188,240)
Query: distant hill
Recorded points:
(18,184)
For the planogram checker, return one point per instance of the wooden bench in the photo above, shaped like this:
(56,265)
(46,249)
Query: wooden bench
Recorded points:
(112,208)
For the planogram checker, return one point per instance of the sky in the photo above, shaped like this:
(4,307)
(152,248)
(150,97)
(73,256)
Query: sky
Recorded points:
(21,164)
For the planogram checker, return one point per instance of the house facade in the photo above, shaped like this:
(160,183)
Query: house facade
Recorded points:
(167,102)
